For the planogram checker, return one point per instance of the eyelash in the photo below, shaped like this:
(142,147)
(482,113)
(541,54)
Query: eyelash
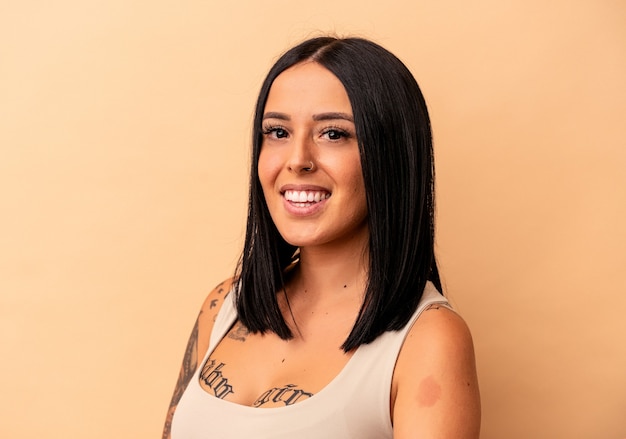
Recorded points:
(273,129)
(340,132)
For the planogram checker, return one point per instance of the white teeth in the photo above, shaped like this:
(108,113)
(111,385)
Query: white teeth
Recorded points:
(303,197)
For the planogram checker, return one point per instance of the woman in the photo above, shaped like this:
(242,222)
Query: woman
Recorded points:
(318,334)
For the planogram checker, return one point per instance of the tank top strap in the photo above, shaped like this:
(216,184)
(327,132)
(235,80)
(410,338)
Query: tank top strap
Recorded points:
(226,317)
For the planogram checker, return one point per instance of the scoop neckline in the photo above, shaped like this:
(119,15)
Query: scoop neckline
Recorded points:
(424,301)
(316,396)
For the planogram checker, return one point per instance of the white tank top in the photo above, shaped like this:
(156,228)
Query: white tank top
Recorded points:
(355,404)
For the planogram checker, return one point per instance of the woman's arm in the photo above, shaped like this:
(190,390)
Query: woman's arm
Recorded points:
(196,347)
(435,393)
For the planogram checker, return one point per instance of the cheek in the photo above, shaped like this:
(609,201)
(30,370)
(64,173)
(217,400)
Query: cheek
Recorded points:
(355,177)
(267,166)
(354,181)
(359,189)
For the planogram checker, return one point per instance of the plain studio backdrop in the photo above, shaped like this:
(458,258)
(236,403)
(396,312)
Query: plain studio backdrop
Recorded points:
(124,141)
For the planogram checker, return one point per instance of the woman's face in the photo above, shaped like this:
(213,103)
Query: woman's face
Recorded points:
(309,164)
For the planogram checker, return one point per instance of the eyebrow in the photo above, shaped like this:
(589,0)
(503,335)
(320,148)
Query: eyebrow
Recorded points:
(316,117)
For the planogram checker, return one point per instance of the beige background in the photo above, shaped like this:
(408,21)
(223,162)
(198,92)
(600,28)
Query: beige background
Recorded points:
(124,131)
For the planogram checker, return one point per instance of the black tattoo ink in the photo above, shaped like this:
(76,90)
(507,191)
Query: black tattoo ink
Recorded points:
(214,378)
(213,303)
(219,288)
(288,395)
(188,368)
(239,332)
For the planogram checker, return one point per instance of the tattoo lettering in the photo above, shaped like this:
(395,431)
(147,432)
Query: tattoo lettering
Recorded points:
(288,395)
(214,378)
(190,363)
(239,332)
(213,303)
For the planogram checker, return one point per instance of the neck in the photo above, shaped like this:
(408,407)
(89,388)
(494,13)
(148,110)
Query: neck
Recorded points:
(331,270)
(327,286)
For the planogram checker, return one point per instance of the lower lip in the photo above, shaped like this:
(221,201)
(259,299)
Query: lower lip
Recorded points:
(303,209)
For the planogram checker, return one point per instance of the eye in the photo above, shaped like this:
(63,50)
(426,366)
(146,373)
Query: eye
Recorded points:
(335,134)
(275,131)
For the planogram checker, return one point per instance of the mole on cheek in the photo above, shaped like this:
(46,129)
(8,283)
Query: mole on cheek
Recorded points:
(429,392)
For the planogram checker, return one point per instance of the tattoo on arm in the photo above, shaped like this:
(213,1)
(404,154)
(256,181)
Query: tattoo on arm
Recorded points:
(190,363)
(288,395)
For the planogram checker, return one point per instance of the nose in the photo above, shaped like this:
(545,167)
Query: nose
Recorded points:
(300,159)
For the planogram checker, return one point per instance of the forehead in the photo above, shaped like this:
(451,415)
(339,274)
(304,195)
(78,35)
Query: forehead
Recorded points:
(305,87)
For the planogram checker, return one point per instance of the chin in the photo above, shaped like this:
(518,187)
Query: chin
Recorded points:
(300,241)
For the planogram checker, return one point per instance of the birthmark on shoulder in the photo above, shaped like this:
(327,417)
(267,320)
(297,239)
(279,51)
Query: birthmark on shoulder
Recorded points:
(428,392)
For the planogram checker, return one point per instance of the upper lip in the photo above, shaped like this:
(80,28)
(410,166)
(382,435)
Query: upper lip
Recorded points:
(302,187)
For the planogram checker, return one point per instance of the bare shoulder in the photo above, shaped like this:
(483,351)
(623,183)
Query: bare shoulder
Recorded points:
(208,313)
(435,391)
(196,347)
(215,299)
(438,327)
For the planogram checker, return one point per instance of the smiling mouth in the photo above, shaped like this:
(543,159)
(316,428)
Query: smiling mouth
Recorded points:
(305,198)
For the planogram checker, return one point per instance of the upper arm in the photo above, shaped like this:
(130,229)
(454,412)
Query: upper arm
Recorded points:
(208,314)
(435,381)
(197,346)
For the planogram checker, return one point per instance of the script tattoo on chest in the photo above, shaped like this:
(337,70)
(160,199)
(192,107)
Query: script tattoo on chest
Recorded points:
(213,377)
(288,395)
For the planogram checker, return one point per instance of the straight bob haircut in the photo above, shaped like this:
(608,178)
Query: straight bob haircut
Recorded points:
(395,145)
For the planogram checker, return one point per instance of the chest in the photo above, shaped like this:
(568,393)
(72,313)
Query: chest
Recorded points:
(355,403)
(264,371)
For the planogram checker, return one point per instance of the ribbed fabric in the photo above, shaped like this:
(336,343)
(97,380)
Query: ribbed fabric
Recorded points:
(355,404)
